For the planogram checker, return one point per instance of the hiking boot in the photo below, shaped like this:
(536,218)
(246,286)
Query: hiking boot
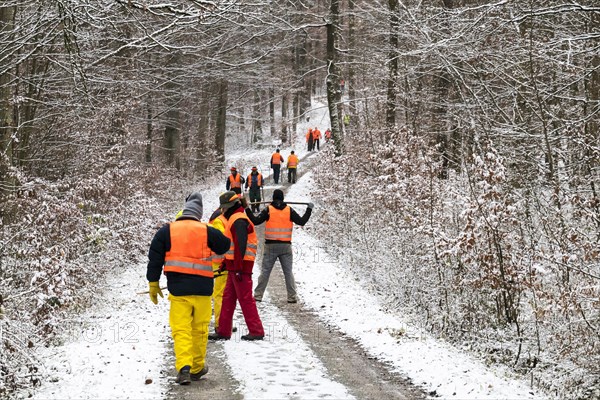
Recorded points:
(292,301)
(252,337)
(197,376)
(216,336)
(183,377)
(259,299)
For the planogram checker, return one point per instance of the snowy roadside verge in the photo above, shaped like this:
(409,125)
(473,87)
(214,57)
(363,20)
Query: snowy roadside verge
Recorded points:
(439,368)
(116,347)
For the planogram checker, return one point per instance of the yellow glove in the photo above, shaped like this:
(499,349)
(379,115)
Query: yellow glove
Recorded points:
(154,290)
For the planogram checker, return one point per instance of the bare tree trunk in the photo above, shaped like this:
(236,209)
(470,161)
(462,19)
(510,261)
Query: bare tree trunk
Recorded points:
(149,129)
(257,117)
(204,133)
(272,111)
(7,16)
(392,69)
(333,77)
(221,121)
(592,128)
(284,117)
(351,83)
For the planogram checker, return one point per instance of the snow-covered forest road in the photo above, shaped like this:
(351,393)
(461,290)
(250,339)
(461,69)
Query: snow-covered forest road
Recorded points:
(337,342)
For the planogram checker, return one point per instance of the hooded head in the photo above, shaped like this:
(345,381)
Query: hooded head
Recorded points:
(277,195)
(228,200)
(193,207)
(277,150)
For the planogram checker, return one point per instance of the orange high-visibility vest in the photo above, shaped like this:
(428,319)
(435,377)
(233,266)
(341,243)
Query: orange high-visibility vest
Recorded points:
(259,180)
(189,253)
(276,158)
(252,244)
(279,225)
(218,259)
(292,161)
(234,182)
(316,134)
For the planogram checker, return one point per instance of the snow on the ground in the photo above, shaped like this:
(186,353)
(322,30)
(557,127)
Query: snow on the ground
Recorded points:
(344,302)
(282,366)
(115,348)
(124,340)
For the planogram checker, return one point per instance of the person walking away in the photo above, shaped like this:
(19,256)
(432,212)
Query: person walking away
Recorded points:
(255,183)
(185,248)
(280,219)
(239,261)
(316,138)
(309,139)
(292,166)
(234,181)
(276,161)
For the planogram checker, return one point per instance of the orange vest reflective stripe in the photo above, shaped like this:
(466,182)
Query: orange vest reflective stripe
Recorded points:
(189,253)
(218,259)
(252,244)
(258,180)
(279,225)
(234,182)
(292,161)
(276,158)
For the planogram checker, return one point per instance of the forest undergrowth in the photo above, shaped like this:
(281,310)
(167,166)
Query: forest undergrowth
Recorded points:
(494,268)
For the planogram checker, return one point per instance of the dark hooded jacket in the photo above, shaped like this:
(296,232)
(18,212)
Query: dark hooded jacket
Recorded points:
(180,284)
(280,205)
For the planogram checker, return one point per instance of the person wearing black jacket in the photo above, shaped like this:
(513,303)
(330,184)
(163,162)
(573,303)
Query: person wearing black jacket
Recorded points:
(279,218)
(185,248)
(239,262)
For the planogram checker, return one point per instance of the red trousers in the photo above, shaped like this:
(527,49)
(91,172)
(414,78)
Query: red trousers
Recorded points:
(239,291)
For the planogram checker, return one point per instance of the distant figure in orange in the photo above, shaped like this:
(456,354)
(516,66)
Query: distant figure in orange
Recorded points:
(316,138)
(292,166)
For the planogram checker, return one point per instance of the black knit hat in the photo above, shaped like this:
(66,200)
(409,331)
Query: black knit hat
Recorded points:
(277,194)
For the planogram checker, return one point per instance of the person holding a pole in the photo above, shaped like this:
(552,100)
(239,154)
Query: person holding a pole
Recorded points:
(280,219)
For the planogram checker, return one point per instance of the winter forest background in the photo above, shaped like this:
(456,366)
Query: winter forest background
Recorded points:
(466,157)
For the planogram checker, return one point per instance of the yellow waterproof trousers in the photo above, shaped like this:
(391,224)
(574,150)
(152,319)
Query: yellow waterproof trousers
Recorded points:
(189,318)
(217,295)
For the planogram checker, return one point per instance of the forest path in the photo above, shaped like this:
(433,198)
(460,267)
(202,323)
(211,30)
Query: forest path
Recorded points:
(294,333)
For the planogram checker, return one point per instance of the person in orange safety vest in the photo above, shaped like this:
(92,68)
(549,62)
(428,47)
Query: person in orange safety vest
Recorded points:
(234,181)
(184,249)
(310,139)
(280,219)
(239,262)
(276,161)
(292,166)
(316,138)
(254,182)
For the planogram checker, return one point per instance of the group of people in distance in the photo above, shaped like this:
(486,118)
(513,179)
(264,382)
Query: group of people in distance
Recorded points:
(254,182)
(313,138)
(213,261)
